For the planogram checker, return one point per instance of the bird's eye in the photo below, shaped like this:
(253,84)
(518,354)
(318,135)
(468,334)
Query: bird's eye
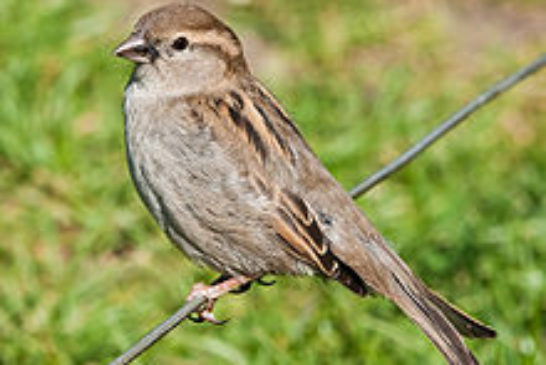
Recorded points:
(180,43)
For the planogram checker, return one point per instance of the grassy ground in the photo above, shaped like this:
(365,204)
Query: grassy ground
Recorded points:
(84,271)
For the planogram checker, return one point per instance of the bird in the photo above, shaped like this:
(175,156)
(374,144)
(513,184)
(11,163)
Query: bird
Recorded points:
(231,181)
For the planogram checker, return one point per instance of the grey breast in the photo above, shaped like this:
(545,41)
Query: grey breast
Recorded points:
(194,191)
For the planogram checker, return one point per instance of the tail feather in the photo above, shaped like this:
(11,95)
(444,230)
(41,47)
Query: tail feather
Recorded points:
(465,324)
(411,299)
(380,268)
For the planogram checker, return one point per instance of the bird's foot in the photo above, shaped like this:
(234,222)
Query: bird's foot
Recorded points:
(212,293)
(264,282)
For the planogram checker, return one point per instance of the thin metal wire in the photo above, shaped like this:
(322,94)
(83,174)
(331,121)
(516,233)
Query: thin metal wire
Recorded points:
(453,121)
(159,332)
(170,323)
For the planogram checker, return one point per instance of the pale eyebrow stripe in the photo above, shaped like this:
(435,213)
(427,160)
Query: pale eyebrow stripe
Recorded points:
(230,46)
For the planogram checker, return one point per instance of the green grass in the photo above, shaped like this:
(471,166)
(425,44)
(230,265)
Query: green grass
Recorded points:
(84,271)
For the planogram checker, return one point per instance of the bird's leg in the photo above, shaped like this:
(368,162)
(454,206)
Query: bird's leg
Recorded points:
(241,289)
(212,292)
(245,287)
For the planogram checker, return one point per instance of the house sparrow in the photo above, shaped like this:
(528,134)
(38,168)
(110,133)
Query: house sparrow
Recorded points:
(234,185)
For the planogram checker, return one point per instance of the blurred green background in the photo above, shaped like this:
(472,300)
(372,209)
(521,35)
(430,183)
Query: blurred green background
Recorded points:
(84,272)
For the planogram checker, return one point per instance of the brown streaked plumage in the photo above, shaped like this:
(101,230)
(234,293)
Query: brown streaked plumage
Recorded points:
(228,177)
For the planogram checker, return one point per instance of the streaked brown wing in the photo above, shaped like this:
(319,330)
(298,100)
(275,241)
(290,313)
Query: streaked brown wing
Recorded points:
(296,225)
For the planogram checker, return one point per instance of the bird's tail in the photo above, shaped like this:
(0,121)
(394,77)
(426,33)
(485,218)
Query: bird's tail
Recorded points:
(464,323)
(442,322)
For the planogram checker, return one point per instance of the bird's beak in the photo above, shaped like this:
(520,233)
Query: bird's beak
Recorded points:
(136,49)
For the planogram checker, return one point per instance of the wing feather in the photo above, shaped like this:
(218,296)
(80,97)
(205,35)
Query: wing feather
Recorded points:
(297,225)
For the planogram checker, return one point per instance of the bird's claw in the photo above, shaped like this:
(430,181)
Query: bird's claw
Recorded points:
(242,289)
(212,292)
(263,282)
(206,315)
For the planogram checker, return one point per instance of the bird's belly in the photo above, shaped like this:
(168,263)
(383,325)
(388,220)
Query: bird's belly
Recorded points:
(205,204)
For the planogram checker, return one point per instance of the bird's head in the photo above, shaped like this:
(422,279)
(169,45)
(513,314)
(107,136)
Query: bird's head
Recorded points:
(183,49)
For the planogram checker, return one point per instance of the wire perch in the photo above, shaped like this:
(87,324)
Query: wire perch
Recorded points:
(450,123)
(405,158)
